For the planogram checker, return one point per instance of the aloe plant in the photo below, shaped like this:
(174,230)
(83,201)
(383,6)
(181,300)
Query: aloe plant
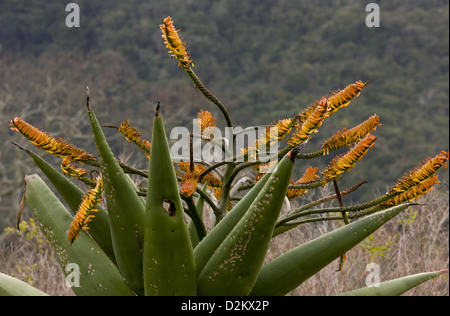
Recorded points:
(154,241)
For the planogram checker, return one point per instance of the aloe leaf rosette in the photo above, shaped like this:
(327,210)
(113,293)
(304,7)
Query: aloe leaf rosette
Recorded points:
(124,240)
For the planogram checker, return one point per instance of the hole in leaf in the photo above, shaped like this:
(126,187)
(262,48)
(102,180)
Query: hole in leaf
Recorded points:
(169,206)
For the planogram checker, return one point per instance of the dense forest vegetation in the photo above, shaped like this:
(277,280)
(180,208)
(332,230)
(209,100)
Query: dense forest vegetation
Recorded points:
(265,60)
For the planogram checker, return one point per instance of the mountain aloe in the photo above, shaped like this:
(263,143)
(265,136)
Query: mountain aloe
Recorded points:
(127,240)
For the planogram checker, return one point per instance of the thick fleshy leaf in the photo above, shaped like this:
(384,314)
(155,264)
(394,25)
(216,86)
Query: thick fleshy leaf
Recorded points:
(168,258)
(286,272)
(395,287)
(125,210)
(84,263)
(234,266)
(209,244)
(10,286)
(72,195)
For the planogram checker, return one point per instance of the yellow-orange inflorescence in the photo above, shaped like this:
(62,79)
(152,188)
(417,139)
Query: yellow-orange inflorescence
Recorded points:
(177,48)
(341,164)
(68,167)
(206,120)
(349,137)
(310,125)
(308,111)
(413,193)
(190,179)
(418,175)
(134,136)
(189,184)
(309,175)
(284,127)
(273,135)
(342,98)
(86,210)
(54,146)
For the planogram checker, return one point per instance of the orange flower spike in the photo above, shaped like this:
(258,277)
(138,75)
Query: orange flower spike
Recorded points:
(284,127)
(206,121)
(86,210)
(342,98)
(146,145)
(209,178)
(190,179)
(308,111)
(341,164)
(416,176)
(188,184)
(310,125)
(270,137)
(176,46)
(309,175)
(69,169)
(348,137)
(413,193)
(130,133)
(133,135)
(79,173)
(184,166)
(55,146)
(217,192)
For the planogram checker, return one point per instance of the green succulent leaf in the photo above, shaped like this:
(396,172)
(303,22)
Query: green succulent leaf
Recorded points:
(204,250)
(10,286)
(286,272)
(125,210)
(99,228)
(168,257)
(241,254)
(397,286)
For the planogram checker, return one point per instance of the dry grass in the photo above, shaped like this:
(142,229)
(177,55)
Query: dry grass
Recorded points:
(415,241)
(30,258)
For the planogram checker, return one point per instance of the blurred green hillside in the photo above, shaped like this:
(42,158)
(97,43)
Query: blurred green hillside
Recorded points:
(265,60)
